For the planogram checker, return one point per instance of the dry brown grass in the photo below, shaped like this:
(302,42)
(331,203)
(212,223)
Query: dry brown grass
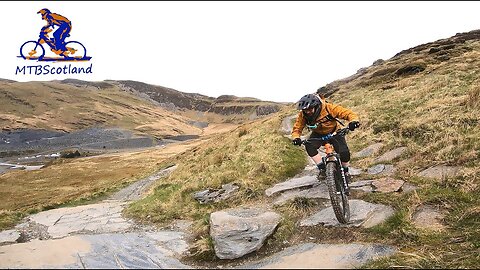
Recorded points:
(435,114)
(78,180)
(473,99)
(51,105)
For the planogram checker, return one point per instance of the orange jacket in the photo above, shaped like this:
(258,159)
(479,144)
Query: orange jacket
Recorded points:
(325,126)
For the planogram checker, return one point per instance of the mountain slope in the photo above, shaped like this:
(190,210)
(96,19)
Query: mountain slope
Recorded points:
(225,108)
(58,106)
(426,98)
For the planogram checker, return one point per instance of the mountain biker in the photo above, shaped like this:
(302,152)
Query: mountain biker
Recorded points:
(57,43)
(320,116)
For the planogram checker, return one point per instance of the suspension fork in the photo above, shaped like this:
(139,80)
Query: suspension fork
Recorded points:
(331,156)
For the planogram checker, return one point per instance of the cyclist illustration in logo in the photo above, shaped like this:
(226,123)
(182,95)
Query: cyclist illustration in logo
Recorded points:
(57,43)
(65,51)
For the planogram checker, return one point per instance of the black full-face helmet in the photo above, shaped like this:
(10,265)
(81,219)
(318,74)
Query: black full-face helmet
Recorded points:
(307,102)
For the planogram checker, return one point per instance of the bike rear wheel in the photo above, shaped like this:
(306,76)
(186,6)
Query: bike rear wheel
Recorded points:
(336,190)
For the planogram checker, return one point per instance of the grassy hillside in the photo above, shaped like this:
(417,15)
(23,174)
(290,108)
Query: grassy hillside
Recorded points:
(426,98)
(60,106)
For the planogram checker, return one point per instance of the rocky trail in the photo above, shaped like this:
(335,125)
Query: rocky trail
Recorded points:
(97,236)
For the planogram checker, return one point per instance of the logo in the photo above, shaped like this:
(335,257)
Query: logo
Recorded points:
(64,51)
(54,47)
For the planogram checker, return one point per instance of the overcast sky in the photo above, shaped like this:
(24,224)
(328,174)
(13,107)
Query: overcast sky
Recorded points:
(275,51)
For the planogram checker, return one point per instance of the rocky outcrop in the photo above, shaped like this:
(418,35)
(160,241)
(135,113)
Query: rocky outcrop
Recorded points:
(165,96)
(244,109)
(216,195)
(80,83)
(173,100)
(459,38)
(239,231)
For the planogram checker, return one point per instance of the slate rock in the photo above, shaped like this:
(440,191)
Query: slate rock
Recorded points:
(239,231)
(440,172)
(362,214)
(212,195)
(304,181)
(428,217)
(387,184)
(368,151)
(391,155)
(381,169)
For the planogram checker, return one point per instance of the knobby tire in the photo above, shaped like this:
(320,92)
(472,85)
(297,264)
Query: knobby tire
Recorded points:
(339,201)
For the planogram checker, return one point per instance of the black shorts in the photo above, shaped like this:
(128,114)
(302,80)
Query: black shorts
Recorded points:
(339,144)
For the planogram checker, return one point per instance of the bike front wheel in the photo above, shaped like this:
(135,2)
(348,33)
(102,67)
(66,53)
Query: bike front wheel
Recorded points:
(336,190)
(32,50)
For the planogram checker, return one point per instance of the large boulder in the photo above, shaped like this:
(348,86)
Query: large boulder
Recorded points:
(239,231)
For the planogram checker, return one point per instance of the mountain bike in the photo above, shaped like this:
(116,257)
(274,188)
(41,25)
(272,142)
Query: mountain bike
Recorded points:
(336,181)
(34,50)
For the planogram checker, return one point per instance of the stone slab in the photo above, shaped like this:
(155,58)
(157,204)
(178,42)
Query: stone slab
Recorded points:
(322,256)
(362,214)
(304,181)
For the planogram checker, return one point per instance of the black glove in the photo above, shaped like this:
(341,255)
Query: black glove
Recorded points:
(297,141)
(353,125)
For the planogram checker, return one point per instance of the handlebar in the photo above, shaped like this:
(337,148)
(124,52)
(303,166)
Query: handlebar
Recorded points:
(340,132)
